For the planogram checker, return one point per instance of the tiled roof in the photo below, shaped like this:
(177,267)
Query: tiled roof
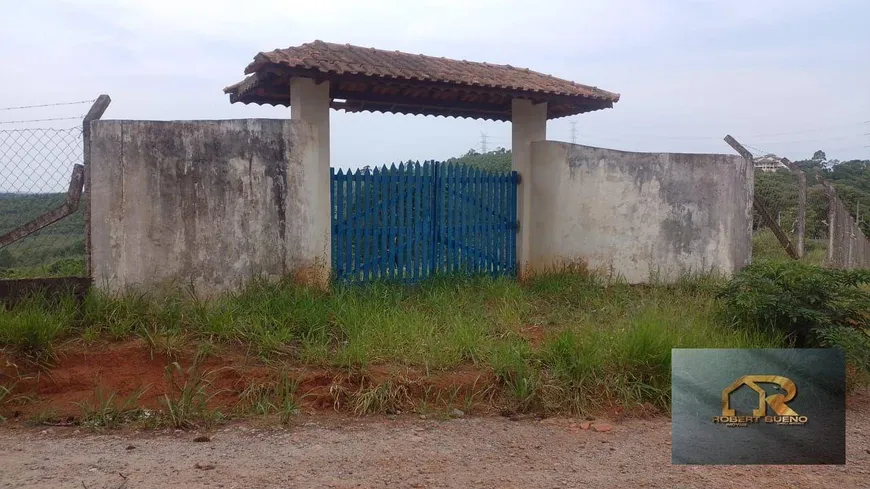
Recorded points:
(344,61)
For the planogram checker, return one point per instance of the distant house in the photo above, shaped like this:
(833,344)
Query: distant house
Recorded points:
(769,164)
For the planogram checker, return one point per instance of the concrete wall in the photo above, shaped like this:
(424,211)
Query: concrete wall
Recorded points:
(204,203)
(639,215)
(847,245)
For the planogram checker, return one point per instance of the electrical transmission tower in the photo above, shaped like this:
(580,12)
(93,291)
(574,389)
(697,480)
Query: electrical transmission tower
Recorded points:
(573,132)
(483,142)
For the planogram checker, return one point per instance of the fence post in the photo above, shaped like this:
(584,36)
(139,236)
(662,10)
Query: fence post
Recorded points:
(96,112)
(759,206)
(800,229)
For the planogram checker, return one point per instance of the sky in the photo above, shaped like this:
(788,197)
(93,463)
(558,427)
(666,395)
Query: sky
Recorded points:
(782,76)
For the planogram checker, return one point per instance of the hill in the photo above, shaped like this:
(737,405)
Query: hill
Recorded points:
(56,250)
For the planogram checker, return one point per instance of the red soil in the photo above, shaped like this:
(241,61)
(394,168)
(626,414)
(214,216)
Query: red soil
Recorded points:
(124,368)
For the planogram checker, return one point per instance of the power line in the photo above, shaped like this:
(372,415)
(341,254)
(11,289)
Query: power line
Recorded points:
(44,120)
(815,129)
(47,105)
(812,140)
(678,138)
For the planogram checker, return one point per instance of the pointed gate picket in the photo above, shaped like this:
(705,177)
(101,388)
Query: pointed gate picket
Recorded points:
(413,221)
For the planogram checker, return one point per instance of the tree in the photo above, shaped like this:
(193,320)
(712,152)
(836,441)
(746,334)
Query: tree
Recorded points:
(851,179)
(498,160)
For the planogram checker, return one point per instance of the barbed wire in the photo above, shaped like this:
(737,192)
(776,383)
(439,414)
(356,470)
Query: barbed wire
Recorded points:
(48,105)
(41,129)
(44,120)
(758,151)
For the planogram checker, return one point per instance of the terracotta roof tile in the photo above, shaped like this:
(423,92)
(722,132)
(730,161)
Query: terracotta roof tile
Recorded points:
(345,58)
(338,61)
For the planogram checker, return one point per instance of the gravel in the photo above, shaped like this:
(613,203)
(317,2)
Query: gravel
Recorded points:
(405,452)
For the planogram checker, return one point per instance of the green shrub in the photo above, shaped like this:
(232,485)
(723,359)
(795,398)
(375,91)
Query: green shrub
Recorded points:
(854,343)
(798,299)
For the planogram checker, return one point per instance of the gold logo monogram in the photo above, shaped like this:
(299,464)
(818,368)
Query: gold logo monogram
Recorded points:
(776,402)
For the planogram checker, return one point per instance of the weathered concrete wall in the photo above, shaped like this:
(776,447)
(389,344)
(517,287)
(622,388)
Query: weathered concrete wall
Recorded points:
(205,203)
(639,216)
(847,245)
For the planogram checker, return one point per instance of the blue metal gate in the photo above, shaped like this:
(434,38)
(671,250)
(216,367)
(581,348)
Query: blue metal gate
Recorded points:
(413,221)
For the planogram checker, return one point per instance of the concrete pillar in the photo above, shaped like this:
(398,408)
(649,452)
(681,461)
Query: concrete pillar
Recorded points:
(528,124)
(802,212)
(309,102)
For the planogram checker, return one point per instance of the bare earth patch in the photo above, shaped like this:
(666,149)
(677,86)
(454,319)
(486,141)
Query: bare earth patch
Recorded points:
(404,451)
(125,367)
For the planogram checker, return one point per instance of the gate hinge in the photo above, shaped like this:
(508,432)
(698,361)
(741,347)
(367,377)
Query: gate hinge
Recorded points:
(517,226)
(519,178)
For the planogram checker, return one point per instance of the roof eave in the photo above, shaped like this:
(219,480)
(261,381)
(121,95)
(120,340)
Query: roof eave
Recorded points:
(262,64)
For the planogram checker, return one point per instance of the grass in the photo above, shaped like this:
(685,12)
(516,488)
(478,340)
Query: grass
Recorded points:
(277,396)
(5,392)
(107,410)
(765,246)
(387,397)
(562,342)
(34,326)
(188,407)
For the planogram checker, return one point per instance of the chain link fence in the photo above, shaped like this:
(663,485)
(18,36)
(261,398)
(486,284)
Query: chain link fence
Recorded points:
(36,165)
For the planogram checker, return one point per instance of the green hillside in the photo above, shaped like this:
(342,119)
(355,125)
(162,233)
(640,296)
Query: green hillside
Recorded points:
(57,250)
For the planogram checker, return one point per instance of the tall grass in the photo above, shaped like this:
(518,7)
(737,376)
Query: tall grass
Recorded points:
(34,326)
(560,341)
(765,247)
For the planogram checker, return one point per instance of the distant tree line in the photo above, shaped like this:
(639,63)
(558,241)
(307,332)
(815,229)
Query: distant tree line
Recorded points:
(778,190)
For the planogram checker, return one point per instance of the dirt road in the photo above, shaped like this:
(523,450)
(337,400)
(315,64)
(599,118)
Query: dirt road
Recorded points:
(406,452)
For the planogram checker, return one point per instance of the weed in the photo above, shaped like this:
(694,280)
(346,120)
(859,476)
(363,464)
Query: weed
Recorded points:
(594,340)
(478,394)
(523,392)
(798,299)
(105,410)
(48,416)
(339,394)
(34,325)
(5,391)
(206,348)
(189,406)
(278,397)
(856,348)
(388,398)
(574,358)
(510,359)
